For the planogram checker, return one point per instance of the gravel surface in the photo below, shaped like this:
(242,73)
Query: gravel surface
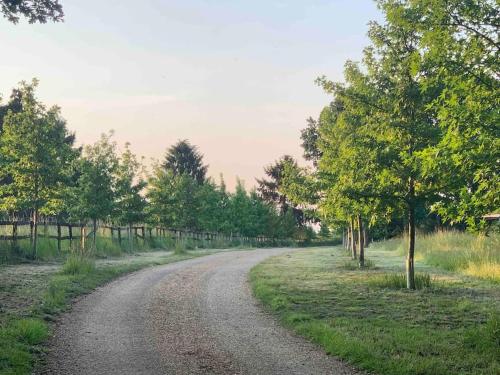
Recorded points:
(192,317)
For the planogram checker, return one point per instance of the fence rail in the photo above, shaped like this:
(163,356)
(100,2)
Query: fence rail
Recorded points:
(78,231)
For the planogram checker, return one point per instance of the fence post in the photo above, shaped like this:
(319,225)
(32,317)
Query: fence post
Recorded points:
(82,238)
(58,237)
(31,232)
(14,235)
(70,233)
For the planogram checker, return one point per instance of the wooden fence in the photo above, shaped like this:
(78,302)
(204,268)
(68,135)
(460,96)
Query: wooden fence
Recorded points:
(15,231)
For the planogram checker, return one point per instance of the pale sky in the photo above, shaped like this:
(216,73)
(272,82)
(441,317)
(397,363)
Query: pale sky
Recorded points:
(234,77)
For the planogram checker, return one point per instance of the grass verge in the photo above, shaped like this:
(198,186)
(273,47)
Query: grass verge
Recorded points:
(450,326)
(33,295)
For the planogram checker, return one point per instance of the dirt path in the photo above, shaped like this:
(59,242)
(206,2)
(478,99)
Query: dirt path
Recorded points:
(191,317)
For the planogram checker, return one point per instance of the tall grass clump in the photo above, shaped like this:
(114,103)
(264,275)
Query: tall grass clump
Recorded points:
(476,255)
(472,254)
(78,265)
(179,248)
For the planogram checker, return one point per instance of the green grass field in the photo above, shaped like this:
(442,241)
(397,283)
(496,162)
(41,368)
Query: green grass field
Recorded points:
(451,325)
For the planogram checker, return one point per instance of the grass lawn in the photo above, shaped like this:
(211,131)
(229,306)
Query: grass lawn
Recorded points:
(32,295)
(362,316)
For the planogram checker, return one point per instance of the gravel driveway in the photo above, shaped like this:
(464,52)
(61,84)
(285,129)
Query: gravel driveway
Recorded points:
(191,317)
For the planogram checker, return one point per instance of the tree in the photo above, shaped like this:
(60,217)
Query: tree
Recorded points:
(94,196)
(174,199)
(34,10)
(400,125)
(184,159)
(460,44)
(269,189)
(36,154)
(129,202)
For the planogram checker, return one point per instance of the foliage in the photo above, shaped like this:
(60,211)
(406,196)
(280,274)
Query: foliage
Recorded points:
(130,204)
(184,159)
(39,11)
(411,135)
(36,152)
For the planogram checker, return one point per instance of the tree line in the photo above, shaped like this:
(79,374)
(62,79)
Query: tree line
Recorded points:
(43,173)
(411,136)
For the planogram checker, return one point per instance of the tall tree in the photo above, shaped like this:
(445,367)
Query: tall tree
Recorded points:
(36,153)
(35,11)
(185,159)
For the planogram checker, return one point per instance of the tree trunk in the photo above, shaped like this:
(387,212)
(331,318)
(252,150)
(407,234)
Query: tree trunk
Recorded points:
(348,238)
(410,260)
(353,240)
(361,242)
(35,232)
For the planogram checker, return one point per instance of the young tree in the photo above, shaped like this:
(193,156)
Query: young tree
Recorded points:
(94,196)
(184,159)
(174,199)
(389,122)
(460,44)
(36,152)
(129,202)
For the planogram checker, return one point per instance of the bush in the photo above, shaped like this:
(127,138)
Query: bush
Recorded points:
(78,265)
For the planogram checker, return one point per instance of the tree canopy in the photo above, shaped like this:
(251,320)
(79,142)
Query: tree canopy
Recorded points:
(184,159)
(35,11)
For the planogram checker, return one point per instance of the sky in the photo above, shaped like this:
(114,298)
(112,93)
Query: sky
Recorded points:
(235,78)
